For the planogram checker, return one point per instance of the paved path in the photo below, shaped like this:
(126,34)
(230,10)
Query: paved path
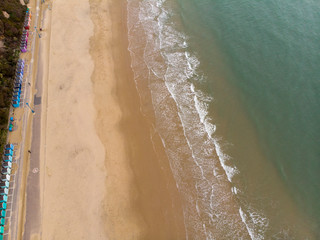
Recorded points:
(32,224)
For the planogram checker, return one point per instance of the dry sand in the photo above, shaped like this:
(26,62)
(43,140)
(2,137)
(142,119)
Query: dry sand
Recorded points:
(104,179)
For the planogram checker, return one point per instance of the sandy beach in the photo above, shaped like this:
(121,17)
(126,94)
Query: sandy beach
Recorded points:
(103,177)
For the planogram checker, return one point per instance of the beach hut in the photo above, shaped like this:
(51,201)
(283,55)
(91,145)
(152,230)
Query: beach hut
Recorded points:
(5,177)
(6,165)
(3,206)
(3,198)
(7,158)
(4,184)
(3,213)
(16,96)
(17,90)
(4,191)
(2,221)
(16,104)
(8,152)
(1,230)
(9,145)
(6,171)
(17,85)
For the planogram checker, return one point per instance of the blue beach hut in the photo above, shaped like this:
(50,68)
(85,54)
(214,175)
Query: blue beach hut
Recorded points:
(7,158)
(8,152)
(4,191)
(17,85)
(1,230)
(9,145)
(3,206)
(16,104)
(17,90)
(2,221)
(16,98)
(6,165)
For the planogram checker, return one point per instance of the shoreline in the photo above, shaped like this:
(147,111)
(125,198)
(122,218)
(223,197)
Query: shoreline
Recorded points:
(147,204)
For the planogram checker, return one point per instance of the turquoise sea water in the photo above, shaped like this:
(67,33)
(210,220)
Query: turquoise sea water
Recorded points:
(242,79)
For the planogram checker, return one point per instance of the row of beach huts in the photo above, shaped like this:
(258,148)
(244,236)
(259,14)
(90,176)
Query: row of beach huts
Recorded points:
(25,33)
(4,184)
(18,84)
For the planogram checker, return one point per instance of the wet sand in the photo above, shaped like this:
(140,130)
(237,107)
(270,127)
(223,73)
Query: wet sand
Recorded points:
(104,177)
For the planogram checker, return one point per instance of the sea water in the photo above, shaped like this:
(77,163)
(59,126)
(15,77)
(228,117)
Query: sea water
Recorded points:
(233,90)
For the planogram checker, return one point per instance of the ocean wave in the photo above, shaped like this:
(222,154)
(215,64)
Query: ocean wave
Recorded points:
(164,66)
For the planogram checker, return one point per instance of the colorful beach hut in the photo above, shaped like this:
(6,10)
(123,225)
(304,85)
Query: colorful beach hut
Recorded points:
(7,158)
(6,171)
(2,222)
(3,206)
(8,152)
(4,191)
(6,165)
(3,198)
(15,104)
(5,177)
(3,213)
(9,146)
(4,184)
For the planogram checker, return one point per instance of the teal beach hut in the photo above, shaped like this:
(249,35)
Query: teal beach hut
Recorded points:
(4,184)
(3,213)
(7,158)
(9,146)
(2,222)
(4,191)
(3,198)
(3,206)
(8,152)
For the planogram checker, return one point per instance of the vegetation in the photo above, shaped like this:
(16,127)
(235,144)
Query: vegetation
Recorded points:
(10,34)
